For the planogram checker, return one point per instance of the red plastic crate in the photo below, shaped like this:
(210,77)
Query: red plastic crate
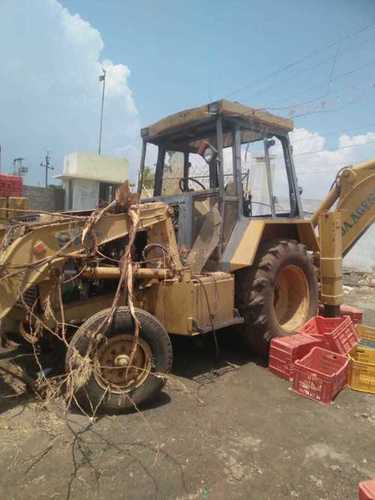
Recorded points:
(366,490)
(338,334)
(355,314)
(320,375)
(10,185)
(284,351)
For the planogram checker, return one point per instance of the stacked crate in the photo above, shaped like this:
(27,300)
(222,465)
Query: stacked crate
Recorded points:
(285,351)
(362,361)
(10,185)
(11,200)
(316,358)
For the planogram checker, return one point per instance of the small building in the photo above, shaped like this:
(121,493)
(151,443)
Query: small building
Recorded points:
(91,180)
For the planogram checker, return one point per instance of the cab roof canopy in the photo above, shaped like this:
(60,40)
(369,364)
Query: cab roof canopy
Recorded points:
(185,130)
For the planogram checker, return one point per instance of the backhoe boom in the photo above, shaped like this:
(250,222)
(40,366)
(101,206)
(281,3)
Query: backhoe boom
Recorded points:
(343,217)
(354,195)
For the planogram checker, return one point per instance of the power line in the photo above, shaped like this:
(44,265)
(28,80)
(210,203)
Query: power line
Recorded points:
(353,101)
(323,103)
(292,77)
(337,77)
(358,68)
(298,61)
(310,68)
(330,80)
(333,67)
(349,103)
(334,59)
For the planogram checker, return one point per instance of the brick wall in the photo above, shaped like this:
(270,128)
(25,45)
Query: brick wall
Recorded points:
(40,198)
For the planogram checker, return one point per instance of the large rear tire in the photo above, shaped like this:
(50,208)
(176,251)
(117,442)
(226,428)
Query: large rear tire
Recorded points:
(113,385)
(278,294)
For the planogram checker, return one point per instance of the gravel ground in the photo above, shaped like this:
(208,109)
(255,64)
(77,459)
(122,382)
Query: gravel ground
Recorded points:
(227,430)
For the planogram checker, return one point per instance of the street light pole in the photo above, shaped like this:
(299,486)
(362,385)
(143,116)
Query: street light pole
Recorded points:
(101,79)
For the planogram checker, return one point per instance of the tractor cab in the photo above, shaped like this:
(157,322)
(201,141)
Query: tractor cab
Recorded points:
(218,164)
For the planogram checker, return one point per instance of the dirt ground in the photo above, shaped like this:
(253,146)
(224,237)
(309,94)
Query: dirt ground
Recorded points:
(227,430)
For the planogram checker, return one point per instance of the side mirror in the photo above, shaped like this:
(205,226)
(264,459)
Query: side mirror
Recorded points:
(270,143)
(209,154)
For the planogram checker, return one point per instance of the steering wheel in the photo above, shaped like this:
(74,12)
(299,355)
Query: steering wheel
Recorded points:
(183,184)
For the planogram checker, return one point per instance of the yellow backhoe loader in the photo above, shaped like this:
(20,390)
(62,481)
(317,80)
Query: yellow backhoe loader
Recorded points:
(207,251)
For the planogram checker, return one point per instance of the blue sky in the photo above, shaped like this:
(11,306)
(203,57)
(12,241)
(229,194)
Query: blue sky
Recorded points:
(186,53)
(312,60)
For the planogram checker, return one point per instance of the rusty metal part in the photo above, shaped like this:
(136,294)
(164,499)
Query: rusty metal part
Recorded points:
(181,305)
(155,255)
(257,118)
(188,300)
(111,363)
(30,331)
(78,311)
(114,273)
(63,241)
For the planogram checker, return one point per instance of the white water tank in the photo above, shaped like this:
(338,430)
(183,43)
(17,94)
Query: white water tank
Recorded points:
(90,180)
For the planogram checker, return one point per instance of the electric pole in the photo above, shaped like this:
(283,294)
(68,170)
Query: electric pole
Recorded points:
(18,167)
(47,166)
(101,79)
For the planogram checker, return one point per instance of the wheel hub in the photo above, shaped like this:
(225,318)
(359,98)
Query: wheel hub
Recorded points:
(291,297)
(122,363)
(122,360)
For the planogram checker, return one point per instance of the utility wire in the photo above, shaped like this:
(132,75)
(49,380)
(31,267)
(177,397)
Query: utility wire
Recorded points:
(333,67)
(353,101)
(337,77)
(343,106)
(358,68)
(317,99)
(330,80)
(263,89)
(313,67)
(298,61)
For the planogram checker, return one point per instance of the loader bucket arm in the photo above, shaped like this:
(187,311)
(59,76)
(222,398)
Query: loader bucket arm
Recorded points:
(354,195)
(30,258)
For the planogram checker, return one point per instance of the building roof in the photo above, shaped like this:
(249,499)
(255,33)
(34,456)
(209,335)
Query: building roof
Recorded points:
(201,121)
(93,167)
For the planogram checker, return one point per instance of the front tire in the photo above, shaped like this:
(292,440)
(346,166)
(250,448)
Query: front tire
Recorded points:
(112,385)
(278,294)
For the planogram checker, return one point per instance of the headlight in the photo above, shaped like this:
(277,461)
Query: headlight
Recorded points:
(208,154)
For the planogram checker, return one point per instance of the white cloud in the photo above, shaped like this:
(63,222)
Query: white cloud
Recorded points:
(346,140)
(317,171)
(317,165)
(50,94)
